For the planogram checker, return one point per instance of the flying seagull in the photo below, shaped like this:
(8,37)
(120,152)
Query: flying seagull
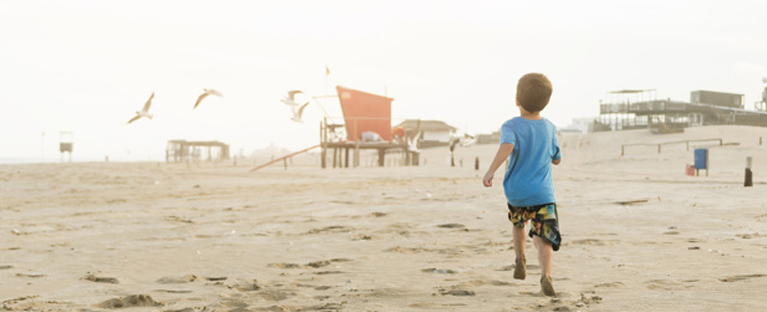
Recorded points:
(298,112)
(467,140)
(205,94)
(144,111)
(412,144)
(290,99)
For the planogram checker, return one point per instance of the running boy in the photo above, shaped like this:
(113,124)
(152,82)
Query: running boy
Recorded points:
(529,142)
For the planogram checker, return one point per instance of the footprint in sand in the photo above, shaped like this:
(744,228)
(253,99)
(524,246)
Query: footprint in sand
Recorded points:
(511,267)
(328,272)
(129,302)
(661,284)
(587,241)
(174,291)
(324,307)
(749,236)
(476,283)
(362,237)
(33,275)
(438,271)
(456,292)
(276,295)
(737,278)
(452,226)
(246,286)
(284,265)
(315,264)
(610,285)
(97,279)
(233,303)
(461,290)
(430,305)
(331,229)
(408,250)
(177,279)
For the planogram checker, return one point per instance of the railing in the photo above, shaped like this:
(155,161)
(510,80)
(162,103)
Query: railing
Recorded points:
(623,146)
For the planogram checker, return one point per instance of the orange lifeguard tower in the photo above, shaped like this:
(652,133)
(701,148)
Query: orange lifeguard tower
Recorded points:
(363,112)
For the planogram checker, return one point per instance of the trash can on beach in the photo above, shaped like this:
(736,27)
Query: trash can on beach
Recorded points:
(701,160)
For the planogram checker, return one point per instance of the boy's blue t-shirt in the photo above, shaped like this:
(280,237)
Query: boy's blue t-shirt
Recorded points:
(528,180)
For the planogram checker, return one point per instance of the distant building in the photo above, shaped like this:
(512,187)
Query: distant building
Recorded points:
(493,138)
(705,108)
(184,151)
(434,132)
(717,98)
(582,125)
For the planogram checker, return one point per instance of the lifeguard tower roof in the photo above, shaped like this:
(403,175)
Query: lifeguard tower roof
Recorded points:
(365,112)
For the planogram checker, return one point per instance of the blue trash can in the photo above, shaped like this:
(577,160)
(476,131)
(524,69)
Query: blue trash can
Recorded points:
(701,159)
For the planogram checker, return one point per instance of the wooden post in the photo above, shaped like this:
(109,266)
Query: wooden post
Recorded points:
(381,156)
(417,155)
(476,163)
(324,156)
(749,174)
(323,142)
(407,157)
(356,161)
(346,151)
(285,161)
(335,157)
(358,155)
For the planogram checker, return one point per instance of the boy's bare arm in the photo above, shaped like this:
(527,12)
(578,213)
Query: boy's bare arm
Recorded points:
(503,153)
(556,161)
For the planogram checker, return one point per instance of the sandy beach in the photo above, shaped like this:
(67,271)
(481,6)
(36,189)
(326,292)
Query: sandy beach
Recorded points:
(638,234)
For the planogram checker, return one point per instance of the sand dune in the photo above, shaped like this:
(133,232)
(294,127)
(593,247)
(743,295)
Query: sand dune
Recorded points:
(638,234)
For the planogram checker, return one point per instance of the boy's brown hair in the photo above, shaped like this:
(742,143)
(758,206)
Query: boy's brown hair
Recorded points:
(533,92)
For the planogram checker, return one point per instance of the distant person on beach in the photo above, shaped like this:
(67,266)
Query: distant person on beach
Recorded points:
(529,143)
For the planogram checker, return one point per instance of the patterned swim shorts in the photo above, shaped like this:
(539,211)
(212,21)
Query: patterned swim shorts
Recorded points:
(544,221)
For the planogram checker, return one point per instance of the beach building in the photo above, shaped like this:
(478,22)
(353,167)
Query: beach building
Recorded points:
(183,151)
(492,138)
(637,109)
(580,125)
(433,132)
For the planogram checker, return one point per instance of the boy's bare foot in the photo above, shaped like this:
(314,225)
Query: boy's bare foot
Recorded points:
(519,268)
(547,287)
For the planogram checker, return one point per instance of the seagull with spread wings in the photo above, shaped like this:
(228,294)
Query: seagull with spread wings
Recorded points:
(205,94)
(298,112)
(412,144)
(290,99)
(144,111)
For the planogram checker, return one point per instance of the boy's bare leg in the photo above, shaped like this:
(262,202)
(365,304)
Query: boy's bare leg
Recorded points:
(519,250)
(545,257)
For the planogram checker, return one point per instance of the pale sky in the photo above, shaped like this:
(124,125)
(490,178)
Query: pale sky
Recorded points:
(87,66)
